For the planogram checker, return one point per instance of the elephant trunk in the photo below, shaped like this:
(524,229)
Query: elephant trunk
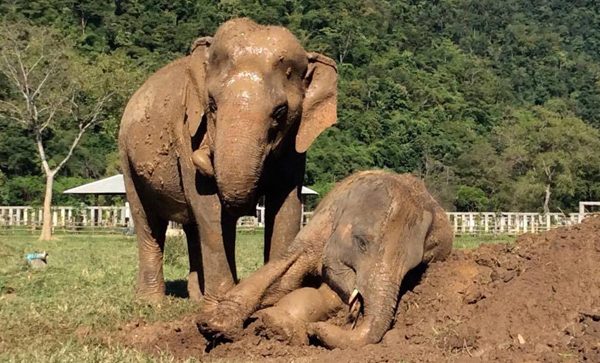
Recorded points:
(380,300)
(238,162)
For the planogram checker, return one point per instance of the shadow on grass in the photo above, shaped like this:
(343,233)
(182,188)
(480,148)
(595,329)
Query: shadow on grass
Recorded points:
(177,288)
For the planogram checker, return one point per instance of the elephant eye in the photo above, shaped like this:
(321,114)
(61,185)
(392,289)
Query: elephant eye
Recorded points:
(361,242)
(212,105)
(279,114)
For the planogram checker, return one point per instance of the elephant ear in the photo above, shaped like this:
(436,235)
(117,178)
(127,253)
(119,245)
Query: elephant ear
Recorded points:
(319,109)
(195,93)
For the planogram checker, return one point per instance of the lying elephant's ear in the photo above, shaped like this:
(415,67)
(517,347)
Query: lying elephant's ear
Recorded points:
(195,93)
(319,109)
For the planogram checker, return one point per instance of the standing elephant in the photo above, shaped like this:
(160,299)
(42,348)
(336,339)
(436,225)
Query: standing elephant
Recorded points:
(207,135)
(365,236)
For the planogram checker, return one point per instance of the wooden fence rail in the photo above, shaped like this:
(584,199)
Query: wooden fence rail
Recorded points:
(119,217)
(508,223)
(66,216)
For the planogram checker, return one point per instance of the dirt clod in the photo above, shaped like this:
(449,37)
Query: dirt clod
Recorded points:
(537,300)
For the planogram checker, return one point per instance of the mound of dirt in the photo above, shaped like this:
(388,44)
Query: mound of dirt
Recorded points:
(535,300)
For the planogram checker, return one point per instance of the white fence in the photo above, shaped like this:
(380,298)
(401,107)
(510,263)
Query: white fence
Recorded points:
(71,218)
(65,217)
(508,223)
(98,217)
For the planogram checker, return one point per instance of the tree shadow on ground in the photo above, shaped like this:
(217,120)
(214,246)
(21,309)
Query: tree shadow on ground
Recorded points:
(177,288)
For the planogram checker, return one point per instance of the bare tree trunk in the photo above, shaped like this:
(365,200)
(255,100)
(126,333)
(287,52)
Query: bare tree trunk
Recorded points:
(47,212)
(31,67)
(547,199)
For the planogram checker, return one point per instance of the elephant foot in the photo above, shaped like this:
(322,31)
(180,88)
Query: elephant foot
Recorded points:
(219,322)
(150,285)
(276,324)
(151,297)
(333,336)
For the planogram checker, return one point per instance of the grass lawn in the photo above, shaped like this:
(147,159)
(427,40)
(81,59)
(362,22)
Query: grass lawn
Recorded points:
(88,284)
(468,242)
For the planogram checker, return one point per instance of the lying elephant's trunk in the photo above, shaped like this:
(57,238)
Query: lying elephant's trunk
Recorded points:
(380,301)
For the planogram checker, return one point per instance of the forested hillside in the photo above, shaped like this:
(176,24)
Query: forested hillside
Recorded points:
(495,103)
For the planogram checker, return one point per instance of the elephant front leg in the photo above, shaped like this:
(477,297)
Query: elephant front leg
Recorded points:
(287,319)
(217,241)
(283,221)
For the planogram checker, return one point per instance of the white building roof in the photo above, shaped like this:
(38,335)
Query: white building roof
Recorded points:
(111,185)
(116,185)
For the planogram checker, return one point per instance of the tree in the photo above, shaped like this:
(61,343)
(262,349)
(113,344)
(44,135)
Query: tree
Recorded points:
(51,96)
(427,87)
(549,152)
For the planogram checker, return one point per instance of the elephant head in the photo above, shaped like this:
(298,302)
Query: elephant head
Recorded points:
(264,95)
(368,254)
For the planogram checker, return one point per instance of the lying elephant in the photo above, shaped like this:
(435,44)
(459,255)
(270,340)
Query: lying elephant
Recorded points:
(210,133)
(364,237)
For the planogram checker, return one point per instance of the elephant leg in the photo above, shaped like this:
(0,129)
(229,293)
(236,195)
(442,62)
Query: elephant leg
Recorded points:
(226,317)
(282,222)
(268,284)
(217,237)
(287,319)
(150,231)
(195,282)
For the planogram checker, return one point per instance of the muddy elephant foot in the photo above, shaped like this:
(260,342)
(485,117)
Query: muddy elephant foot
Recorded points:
(333,336)
(220,322)
(276,324)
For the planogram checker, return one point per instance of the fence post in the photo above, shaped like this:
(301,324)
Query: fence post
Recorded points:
(455,223)
(486,221)
(471,222)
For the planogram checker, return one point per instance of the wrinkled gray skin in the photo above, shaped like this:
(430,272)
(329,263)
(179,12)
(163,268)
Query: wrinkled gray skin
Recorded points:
(210,133)
(369,231)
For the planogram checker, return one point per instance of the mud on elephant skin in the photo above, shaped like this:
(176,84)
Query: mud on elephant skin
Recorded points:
(365,236)
(207,135)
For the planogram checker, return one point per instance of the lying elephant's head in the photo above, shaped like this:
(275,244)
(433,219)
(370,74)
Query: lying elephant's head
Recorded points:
(264,95)
(383,227)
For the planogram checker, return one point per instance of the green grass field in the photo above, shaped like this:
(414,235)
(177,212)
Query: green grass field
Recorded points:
(88,284)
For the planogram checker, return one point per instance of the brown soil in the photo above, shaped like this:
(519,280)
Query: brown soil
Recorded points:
(536,300)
